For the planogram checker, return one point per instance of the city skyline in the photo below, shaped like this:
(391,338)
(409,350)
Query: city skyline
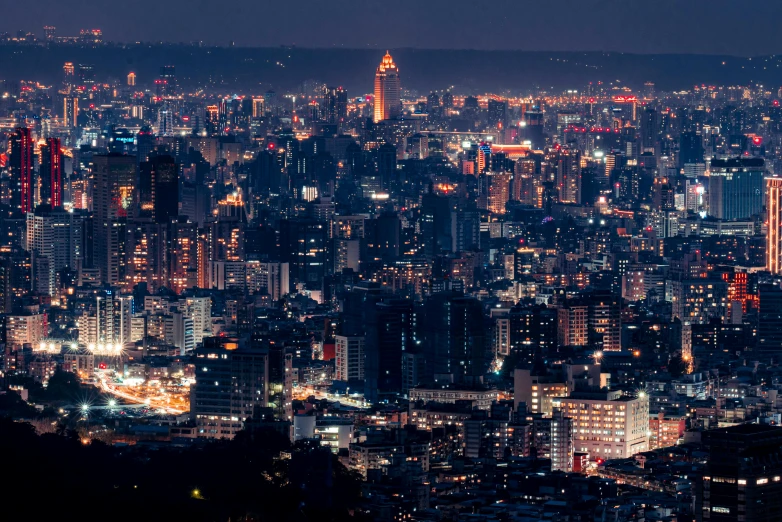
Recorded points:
(405,285)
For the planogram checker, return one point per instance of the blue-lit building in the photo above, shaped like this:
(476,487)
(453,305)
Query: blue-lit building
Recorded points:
(736,188)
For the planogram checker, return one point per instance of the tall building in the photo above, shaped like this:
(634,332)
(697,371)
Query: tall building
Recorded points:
(742,477)
(21,163)
(498,191)
(736,188)
(70,111)
(389,334)
(303,245)
(159,188)
(454,339)
(114,196)
(230,382)
(51,173)
(497,113)
(349,358)
(769,341)
(774,229)
(569,177)
(335,104)
(388,103)
(54,237)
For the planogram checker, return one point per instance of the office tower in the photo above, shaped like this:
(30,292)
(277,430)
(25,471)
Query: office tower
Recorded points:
(437,221)
(114,196)
(70,111)
(774,229)
(335,104)
(21,163)
(483,158)
(622,421)
(54,237)
(390,327)
(569,176)
(49,32)
(166,83)
(165,121)
(770,321)
(650,133)
(51,173)
(736,188)
(454,338)
(230,382)
(303,244)
(349,358)
(131,79)
(497,114)
(257,108)
(741,481)
(145,143)
(388,104)
(690,149)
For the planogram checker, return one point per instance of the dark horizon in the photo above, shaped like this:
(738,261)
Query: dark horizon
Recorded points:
(662,27)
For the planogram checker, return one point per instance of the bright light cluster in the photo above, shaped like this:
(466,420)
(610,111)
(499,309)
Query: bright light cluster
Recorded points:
(105,349)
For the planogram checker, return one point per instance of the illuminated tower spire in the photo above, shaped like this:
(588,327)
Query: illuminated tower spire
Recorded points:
(388,104)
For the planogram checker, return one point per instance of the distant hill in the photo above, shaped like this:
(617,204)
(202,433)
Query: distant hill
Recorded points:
(257,69)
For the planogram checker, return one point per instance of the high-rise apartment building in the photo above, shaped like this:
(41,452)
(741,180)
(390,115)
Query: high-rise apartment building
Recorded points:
(388,104)
(349,357)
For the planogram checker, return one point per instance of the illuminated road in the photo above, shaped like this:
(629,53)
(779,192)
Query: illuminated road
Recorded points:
(153,403)
(303,392)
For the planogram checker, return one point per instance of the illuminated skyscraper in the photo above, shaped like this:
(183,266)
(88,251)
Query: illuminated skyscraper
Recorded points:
(113,198)
(773,236)
(51,173)
(388,104)
(131,79)
(70,111)
(22,170)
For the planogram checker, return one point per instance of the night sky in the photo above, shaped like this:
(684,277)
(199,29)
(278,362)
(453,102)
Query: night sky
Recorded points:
(640,26)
